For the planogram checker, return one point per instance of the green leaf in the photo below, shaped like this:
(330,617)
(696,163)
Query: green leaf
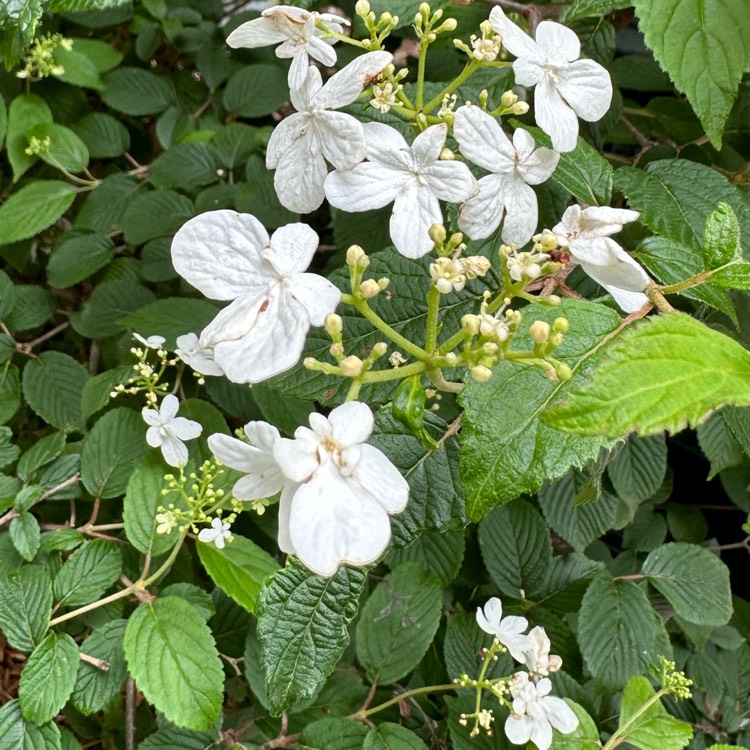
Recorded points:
(94,687)
(33,208)
(33,307)
(398,622)
(48,678)
(110,452)
(190,165)
(53,385)
(584,737)
(172,656)
(665,373)
(694,580)
(638,468)
(18,734)
(25,112)
(104,136)
(174,738)
(10,393)
(516,549)
(733,276)
(137,92)
(199,598)
(302,629)
(441,553)
(77,257)
(586,8)
(110,301)
(155,213)
(88,573)
(26,536)
(568,581)
(436,496)
(256,90)
(718,444)
(104,208)
(464,641)
(721,239)
(506,450)
(652,728)
(25,606)
(285,412)
(616,631)
(66,150)
(257,195)
(389,736)
(703,46)
(44,451)
(334,734)
(239,569)
(8,452)
(3,121)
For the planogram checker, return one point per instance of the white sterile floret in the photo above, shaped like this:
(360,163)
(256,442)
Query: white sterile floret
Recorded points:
(585,234)
(448,274)
(535,712)
(200,358)
(229,256)
(538,660)
(219,533)
(413,178)
(507,630)
(301,143)
(295,28)
(152,342)
(167,431)
(339,512)
(525,266)
(566,88)
(514,167)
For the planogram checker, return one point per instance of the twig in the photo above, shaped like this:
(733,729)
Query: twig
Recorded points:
(130,714)
(94,661)
(27,346)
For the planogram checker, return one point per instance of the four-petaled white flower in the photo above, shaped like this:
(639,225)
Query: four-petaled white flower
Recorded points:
(167,431)
(535,712)
(507,630)
(152,342)
(229,256)
(165,522)
(566,87)
(295,28)
(514,168)
(219,533)
(413,178)
(585,234)
(301,143)
(538,660)
(200,358)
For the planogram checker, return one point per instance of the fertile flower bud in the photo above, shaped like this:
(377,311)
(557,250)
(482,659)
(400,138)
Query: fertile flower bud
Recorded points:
(490,348)
(475,265)
(508,99)
(520,108)
(470,324)
(447,155)
(334,325)
(379,349)
(369,288)
(383,283)
(563,371)
(561,325)
(351,366)
(556,339)
(450,359)
(449,24)
(337,350)
(362,8)
(437,234)
(481,374)
(539,331)
(354,254)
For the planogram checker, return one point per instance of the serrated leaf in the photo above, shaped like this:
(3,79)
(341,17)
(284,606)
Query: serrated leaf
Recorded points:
(33,307)
(703,46)
(33,208)
(25,606)
(585,8)
(40,454)
(104,136)
(721,238)
(302,629)
(76,258)
(8,452)
(199,598)
(584,737)
(10,393)
(104,208)
(463,644)
(718,444)
(18,734)
(25,111)
(174,738)
(506,450)
(387,736)
(733,276)
(191,165)
(257,195)
(652,728)
(256,90)
(65,150)
(53,385)
(334,734)
(94,687)
(440,553)
(664,373)
(172,656)
(239,569)
(638,468)
(398,622)
(155,213)
(26,536)
(110,452)
(568,580)
(694,580)
(137,92)
(88,573)
(48,678)
(110,301)
(616,631)
(516,549)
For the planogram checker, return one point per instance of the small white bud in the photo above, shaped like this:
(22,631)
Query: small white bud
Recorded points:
(520,108)
(351,366)
(539,331)
(481,374)
(369,288)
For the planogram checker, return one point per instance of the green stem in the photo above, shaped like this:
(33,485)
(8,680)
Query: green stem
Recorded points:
(354,389)
(420,70)
(433,309)
(397,373)
(622,731)
(480,680)
(463,76)
(452,342)
(360,715)
(699,278)
(341,37)
(439,381)
(657,299)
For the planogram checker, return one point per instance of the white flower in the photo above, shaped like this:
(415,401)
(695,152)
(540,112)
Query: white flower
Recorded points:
(200,358)
(166,522)
(448,274)
(301,143)
(295,29)
(339,512)
(219,533)
(229,256)
(566,87)
(513,166)
(508,630)
(525,266)
(385,96)
(585,234)
(167,430)
(152,342)
(412,177)
(535,712)
(538,659)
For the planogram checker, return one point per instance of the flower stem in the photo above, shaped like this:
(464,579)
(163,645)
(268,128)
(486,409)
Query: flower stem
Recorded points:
(463,76)
(399,373)
(423,44)
(363,714)
(433,309)
(621,733)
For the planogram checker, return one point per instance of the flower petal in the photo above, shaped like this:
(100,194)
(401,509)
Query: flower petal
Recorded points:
(303,89)
(381,480)
(174,451)
(154,436)
(292,248)
(558,43)
(383,139)
(555,117)
(450,181)
(516,41)
(481,215)
(218,252)
(522,212)
(151,417)
(285,509)
(428,144)
(415,210)
(560,714)
(343,139)
(284,135)
(169,408)
(185,429)
(300,175)
(344,87)
(297,458)
(319,50)
(351,423)
(482,140)
(541,734)
(587,88)
(256,33)
(236,320)
(317,295)
(489,618)
(364,188)
(608,264)
(528,72)
(518,729)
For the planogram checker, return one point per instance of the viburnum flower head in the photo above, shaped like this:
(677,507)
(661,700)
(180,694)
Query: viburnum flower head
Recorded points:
(168,431)
(585,234)
(508,630)
(535,712)
(566,88)
(229,256)
(413,178)
(513,168)
(301,143)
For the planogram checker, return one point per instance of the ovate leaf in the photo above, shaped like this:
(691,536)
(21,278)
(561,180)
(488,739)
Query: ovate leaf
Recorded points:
(26,536)
(638,467)
(25,606)
(664,374)
(33,208)
(172,656)
(137,92)
(88,573)
(721,240)
(18,734)
(584,737)
(389,736)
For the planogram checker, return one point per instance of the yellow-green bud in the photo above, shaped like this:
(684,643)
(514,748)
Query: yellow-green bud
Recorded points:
(520,108)
(508,99)
(470,324)
(447,155)
(354,254)
(351,366)
(449,24)
(490,348)
(481,374)
(383,283)
(309,363)
(561,325)
(437,234)
(369,288)
(337,350)
(379,349)
(451,358)
(386,18)
(553,300)
(540,331)
(563,371)
(362,8)
(556,339)
(437,15)
(334,324)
